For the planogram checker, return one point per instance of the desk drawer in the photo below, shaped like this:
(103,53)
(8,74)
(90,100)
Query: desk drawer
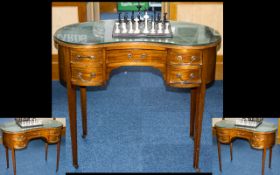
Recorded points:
(136,55)
(89,76)
(86,56)
(176,56)
(184,74)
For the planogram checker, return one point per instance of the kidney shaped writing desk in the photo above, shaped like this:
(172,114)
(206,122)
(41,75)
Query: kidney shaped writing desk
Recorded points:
(15,137)
(88,53)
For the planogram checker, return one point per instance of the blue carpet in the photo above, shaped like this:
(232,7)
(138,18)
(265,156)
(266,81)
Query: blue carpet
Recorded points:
(137,124)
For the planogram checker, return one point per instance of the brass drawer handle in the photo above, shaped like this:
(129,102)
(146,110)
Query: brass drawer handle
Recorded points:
(129,55)
(180,58)
(81,57)
(92,75)
(143,55)
(191,75)
(194,58)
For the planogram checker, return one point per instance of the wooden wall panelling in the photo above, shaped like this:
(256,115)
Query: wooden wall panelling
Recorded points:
(207,13)
(108,7)
(64,19)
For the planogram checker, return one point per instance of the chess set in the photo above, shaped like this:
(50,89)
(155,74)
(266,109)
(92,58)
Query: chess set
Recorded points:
(28,122)
(249,122)
(142,26)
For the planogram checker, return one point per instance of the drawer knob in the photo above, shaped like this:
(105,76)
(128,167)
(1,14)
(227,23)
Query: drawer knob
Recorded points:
(143,55)
(129,55)
(92,75)
(192,75)
(81,57)
(194,58)
(180,58)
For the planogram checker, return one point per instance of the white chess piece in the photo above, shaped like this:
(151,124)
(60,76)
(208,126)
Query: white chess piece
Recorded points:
(146,16)
(136,26)
(159,28)
(130,27)
(166,28)
(117,30)
(153,27)
(124,30)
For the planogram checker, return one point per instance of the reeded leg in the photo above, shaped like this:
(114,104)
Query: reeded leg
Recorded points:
(73,122)
(263,160)
(198,123)
(193,110)
(14,161)
(231,151)
(219,154)
(270,156)
(84,109)
(57,155)
(7,156)
(46,151)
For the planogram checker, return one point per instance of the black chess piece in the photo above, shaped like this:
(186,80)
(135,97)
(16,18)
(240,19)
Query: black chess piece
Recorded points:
(125,17)
(120,17)
(139,16)
(139,6)
(154,19)
(132,16)
(165,18)
(158,17)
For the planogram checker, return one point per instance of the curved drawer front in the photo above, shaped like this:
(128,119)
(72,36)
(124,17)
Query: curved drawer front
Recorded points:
(16,141)
(176,56)
(87,76)
(261,140)
(223,135)
(183,74)
(136,55)
(87,56)
(242,134)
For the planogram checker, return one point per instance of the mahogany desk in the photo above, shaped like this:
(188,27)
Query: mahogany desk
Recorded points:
(262,137)
(88,53)
(15,137)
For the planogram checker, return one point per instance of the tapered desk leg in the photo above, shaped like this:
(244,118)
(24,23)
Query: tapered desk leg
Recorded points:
(263,160)
(231,151)
(46,151)
(84,109)
(198,123)
(193,110)
(14,161)
(73,122)
(219,154)
(270,156)
(7,156)
(57,155)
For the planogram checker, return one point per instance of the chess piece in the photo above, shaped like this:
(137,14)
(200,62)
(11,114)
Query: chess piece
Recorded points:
(153,27)
(166,28)
(117,30)
(158,18)
(136,26)
(132,17)
(125,18)
(124,30)
(164,18)
(120,21)
(130,27)
(159,27)
(146,16)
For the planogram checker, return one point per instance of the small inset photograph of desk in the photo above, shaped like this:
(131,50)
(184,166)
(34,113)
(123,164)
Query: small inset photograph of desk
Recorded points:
(31,145)
(243,149)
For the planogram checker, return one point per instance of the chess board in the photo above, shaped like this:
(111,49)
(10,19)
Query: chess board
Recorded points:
(249,124)
(28,124)
(141,34)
